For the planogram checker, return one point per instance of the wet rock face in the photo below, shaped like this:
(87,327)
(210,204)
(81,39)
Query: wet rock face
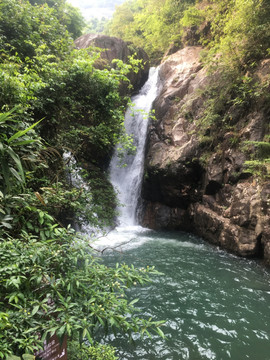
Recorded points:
(115,48)
(173,172)
(215,199)
(174,186)
(265,210)
(165,217)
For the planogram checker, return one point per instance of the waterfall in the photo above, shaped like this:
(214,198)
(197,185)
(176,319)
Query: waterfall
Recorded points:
(73,171)
(127,180)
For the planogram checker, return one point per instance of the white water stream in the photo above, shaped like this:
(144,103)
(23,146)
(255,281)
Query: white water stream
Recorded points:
(127,180)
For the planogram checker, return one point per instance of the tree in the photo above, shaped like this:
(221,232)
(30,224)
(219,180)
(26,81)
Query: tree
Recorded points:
(56,286)
(73,20)
(153,25)
(26,28)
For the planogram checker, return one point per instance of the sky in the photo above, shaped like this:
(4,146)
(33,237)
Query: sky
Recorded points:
(96,8)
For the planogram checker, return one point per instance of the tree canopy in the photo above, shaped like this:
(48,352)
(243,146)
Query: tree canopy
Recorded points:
(240,28)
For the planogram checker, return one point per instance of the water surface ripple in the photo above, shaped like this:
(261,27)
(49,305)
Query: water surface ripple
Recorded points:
(216,305)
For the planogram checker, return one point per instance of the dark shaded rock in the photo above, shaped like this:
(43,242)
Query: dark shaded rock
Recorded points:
(222,168)
(174,186)
(115,48)
(159,216)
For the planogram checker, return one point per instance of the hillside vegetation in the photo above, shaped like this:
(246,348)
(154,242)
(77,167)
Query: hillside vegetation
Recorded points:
(236,30)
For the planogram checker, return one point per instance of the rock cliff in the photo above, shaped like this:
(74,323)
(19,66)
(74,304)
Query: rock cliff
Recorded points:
(115,48)
(195,178)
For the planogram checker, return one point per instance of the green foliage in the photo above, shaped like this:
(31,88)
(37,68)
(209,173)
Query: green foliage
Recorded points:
(192,17)
(90,200)
(151,24)
(87,119)
(259,163)
(10,150)
(94,352)
(73,20)
(229,96)
(239,31)
(259,168)
(46,262)
(95,25)
(262,149)
(60,278)
(25,27)
(24,357)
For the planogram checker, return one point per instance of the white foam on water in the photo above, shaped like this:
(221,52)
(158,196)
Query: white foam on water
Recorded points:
(122,239)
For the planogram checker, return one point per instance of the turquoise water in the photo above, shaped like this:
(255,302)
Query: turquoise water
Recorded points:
(216,305)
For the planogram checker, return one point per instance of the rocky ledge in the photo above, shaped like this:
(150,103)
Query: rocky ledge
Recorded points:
(115,48)
(209,193)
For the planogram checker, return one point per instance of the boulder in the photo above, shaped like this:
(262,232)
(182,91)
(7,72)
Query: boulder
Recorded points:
(115,48)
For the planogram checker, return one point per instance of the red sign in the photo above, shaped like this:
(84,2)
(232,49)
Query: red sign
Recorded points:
(53,350)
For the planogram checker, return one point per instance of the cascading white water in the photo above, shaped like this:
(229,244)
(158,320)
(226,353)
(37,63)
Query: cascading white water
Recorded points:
(73,171)
(127,180)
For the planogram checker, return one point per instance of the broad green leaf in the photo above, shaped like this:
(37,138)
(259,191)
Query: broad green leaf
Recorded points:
(17,161)
(7,116)
(61,331)
(31,330)
(22,132)
(160,332)
(89,338)
(133,302)
(35,310)
(24,142)
(53,330)
(84,332)
(5,224)
(6,174)
(100,320)
(15,174)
